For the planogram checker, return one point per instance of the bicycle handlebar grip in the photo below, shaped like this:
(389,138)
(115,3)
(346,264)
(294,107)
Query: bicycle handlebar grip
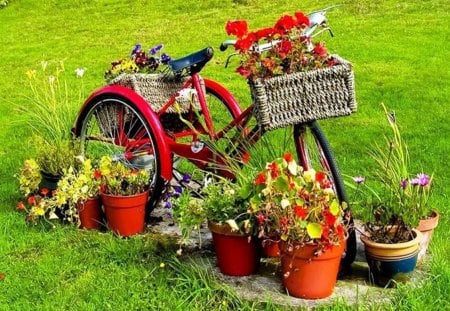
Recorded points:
(223,47)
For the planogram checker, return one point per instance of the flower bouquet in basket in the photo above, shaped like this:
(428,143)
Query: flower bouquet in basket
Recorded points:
(292,79)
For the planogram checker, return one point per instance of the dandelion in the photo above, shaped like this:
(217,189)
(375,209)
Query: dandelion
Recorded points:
(162,265)
(80,72)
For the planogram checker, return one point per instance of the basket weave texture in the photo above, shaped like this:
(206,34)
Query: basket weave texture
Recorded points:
(156,89)
(304,96)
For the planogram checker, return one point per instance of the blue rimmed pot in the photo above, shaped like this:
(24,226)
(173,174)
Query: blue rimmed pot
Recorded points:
(391,262)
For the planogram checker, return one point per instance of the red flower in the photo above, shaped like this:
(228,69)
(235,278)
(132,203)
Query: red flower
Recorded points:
(31,200)
(320,50)
(284,222)
(325,232)
(237,28)
(44,191)
(320,177)
(260,179)
(300,212)
(285,23)
(97,174)
(245,43)
(20,206)
(273,168)
(246,157)
(243,71)
(284,48)
(330,219)
(288,157)
(302,19)
(261,218)
(264,33)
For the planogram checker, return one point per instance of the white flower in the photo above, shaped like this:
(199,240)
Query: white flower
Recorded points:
(80,72)
(186,94)
(285,203)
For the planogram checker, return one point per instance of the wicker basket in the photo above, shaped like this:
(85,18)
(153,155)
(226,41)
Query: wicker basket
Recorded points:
(156,89)
(304,96)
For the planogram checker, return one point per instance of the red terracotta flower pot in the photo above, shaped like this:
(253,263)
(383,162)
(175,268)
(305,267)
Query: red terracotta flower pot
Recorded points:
(307,276)
(237,254)
(125,214)
(426,227)
(270,248)
(90,214)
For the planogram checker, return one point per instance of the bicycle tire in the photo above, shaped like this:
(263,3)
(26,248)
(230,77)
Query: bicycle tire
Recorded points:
(313,147)
(109,125)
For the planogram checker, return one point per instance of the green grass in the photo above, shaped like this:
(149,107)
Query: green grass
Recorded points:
(400,56)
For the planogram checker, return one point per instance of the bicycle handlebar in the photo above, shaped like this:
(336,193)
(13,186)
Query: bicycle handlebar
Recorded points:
(316,19)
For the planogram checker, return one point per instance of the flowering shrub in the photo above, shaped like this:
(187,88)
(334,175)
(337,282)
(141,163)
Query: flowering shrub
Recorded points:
(29,177)
(119,179)
(39,205)
(289,51)
(297,205)
(391,197)
(77,186)
(139,61)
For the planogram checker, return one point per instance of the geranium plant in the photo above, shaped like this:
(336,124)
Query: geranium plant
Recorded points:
(288,50)
(139,61)
(119,179)
(298,206)
(391,199)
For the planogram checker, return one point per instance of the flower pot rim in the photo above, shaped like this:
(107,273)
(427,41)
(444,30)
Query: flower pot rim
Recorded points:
(224,229)
(122,196)
(365,238)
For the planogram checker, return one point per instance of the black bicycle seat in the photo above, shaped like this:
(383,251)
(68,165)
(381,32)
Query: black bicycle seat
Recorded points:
(193,62)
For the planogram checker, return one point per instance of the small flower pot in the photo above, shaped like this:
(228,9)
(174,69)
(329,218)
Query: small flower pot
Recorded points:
(237,254)
(426,227)
(125,214)
(391,262)
(270,248)
(90,214)
(307,276)
(49,182)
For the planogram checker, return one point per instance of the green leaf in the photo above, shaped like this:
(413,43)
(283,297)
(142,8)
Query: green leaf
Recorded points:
(314,230)
(334,208)
(282,184)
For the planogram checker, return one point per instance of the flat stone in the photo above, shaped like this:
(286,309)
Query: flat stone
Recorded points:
(266,286)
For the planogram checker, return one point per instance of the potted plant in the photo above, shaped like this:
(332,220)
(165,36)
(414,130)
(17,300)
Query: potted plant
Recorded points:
(392,205)
(292,79)
(49,114)
(224,204)
(301,209)
(124,193)
(78,190)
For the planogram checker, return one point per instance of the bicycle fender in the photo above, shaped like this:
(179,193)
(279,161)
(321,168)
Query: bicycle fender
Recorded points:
(148,113)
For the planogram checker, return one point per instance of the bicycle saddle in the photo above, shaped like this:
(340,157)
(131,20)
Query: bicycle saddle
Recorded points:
(193,62)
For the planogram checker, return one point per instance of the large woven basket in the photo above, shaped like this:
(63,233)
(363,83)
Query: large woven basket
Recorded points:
(156,89)
(304,96)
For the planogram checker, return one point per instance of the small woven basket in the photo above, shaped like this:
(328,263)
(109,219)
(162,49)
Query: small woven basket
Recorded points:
(156,89)
(304,96)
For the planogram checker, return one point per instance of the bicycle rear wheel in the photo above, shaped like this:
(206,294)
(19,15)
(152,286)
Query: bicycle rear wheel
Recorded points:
(314,151)
(113,126)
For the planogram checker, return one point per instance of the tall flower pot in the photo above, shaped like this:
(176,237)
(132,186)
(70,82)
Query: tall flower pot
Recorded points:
(389,262)
(305,275)
(90,213)
(426,227)
(125,214)
(49,181)
(237,254)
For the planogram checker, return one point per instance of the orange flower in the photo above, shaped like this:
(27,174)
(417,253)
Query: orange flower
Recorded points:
(20,206)
(44,191)
(260,179)
(31,200)
(300,212)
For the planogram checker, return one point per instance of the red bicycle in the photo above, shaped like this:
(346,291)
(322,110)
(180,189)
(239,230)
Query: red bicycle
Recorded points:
(117,120)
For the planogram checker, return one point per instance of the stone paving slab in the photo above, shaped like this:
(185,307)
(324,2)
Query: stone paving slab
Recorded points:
(266,286)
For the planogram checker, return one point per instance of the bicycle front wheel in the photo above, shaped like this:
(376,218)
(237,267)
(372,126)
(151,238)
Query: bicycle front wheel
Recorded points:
(314,151)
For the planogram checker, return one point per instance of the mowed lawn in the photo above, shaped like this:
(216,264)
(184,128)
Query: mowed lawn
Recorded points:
(400,54)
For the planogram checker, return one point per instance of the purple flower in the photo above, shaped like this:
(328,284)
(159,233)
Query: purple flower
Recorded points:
(155,49)
(415,182)
(177,190)
(359,179)
(165,58)
(404,183)
(137,48)
(424,179)
(168,205)
(186,178)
